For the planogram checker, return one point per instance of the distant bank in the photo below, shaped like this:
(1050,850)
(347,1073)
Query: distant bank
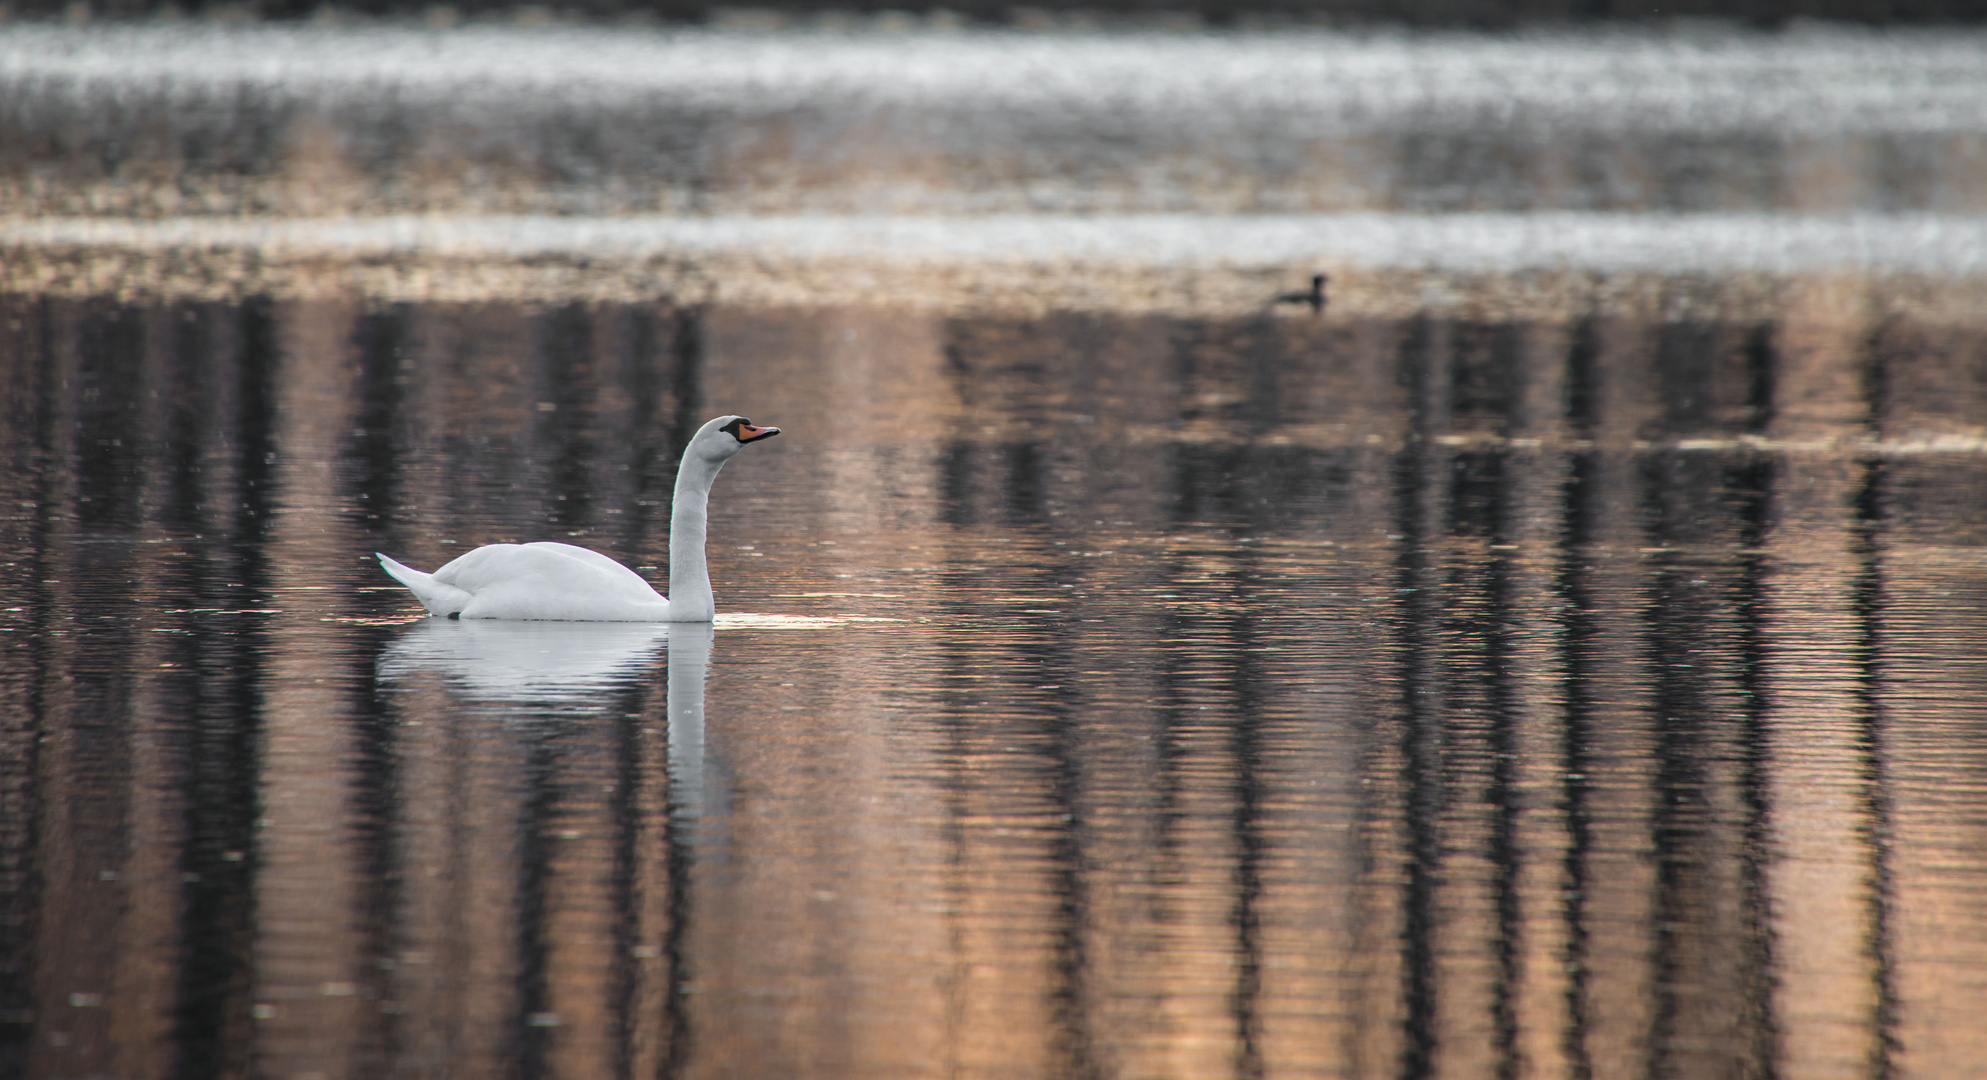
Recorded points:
(171,119)
(1177,14)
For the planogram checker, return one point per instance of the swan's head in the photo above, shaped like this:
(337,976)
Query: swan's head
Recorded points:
(726,436)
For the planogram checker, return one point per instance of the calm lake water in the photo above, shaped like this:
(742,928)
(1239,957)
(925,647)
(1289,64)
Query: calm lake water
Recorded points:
(1096,695)
(1560,658)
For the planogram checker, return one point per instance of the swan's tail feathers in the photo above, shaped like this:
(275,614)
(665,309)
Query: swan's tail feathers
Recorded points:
(438,598)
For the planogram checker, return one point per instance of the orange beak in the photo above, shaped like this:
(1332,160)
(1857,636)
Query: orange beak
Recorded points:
(747,433)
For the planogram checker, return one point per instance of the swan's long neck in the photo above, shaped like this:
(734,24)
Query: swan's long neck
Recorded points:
(690,598)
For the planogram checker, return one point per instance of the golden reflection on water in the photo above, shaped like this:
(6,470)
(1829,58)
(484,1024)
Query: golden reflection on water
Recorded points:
(1102,696)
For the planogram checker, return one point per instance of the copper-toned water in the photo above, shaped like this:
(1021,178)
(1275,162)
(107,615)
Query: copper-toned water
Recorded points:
(1099,695)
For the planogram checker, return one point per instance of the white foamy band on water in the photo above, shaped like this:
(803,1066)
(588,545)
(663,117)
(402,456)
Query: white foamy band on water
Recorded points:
(1300,84)
(1599,242)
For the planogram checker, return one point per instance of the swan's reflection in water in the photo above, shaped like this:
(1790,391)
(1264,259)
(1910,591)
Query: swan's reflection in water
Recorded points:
(527,663)
(689,663)
(527,671)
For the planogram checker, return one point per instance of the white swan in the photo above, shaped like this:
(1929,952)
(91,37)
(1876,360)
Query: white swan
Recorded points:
(562,582)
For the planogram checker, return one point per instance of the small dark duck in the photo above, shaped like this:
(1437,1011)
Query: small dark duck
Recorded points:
(1315,298)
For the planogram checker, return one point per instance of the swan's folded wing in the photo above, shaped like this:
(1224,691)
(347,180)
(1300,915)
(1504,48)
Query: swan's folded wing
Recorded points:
(551,567)
(597,560)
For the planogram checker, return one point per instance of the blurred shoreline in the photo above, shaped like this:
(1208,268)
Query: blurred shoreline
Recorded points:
(1651,172)
(1650,266)
(166,120)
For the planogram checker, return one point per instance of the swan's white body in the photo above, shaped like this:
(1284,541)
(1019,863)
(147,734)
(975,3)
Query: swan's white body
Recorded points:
(562,582)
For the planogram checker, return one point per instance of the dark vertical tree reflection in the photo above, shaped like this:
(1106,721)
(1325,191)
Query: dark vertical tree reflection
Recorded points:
(1577,633)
